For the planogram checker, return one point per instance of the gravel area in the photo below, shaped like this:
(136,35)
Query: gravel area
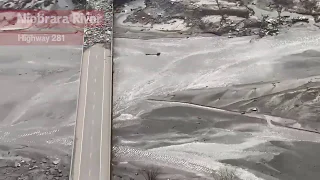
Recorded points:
(28,163)
(102,34)
(225,18)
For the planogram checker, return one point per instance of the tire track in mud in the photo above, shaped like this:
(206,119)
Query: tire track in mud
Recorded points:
(190,161)
(188,164)
(36,136)
(270,119)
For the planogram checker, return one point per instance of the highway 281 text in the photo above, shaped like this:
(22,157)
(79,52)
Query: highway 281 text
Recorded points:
(41,38)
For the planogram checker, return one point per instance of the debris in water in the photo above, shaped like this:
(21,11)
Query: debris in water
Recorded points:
(56,162)
(44,160)
(16,164)
(157,54)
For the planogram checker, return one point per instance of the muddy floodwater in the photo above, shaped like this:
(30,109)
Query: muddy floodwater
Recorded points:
(212,102)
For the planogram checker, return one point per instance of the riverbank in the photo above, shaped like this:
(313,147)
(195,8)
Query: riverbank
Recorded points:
(192,17)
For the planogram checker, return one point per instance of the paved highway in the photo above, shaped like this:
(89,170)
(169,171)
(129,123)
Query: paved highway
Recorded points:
(91,153)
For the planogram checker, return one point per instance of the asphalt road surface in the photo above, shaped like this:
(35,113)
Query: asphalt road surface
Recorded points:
(91,154)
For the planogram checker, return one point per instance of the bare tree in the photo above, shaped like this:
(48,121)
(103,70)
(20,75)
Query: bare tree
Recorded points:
(218,4)
(225,174)
(279,9)
(245,3)
(309,5)
(150,173)
(280,6)
(223,16)
(263,25)
(284,3)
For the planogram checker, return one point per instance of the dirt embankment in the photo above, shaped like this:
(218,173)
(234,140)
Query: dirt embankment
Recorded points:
(225,17)
(29,163)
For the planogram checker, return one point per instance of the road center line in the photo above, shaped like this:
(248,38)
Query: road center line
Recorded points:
(93,106)
(84,115)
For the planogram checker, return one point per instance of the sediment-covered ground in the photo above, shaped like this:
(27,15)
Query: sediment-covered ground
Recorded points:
(38,109)
(211,102)
(39,91)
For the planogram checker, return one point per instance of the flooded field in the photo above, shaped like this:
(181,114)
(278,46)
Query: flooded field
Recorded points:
(207,103)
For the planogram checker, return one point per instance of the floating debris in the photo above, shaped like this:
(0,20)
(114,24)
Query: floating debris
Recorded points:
(300,19)
(56,162)
(16,164)
(156,54)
